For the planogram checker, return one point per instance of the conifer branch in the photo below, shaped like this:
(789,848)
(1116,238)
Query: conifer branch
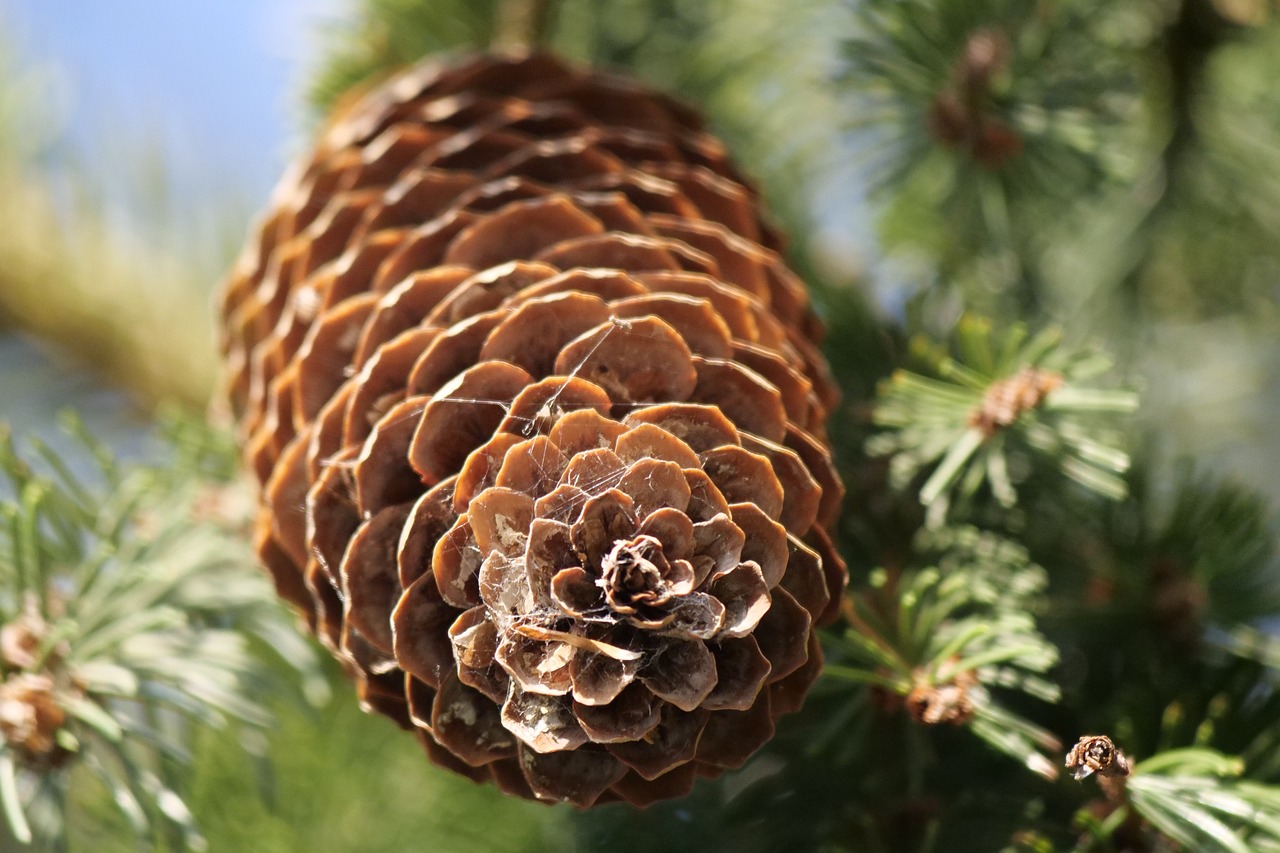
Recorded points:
(1193,797)
(939,642)
(973,411)
(128,610)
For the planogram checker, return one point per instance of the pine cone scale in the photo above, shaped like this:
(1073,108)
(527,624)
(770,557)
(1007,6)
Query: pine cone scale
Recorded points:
(518,340)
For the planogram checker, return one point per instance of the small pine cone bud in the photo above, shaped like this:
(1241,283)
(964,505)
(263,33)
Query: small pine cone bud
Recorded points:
(947,703)
(538,414)
(21,638)
(985,55)
(1096,754)
(30,717)
(1008,399)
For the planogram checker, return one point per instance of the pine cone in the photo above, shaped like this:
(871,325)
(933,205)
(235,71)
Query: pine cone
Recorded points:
(538,415)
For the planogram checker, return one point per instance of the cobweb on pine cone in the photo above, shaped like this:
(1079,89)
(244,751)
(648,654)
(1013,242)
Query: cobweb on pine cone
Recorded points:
(538,415)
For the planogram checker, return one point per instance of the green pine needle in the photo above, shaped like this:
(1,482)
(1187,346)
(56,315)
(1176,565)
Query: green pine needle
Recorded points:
(128,609)
(1195,797)
(951,634)
(982,121)
(379,37)
(10,798)
(999,404)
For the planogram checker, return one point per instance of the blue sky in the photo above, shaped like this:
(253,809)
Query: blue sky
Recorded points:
(219,80)
(204,93)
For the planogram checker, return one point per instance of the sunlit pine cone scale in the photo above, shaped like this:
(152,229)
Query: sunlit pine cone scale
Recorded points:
(537,410)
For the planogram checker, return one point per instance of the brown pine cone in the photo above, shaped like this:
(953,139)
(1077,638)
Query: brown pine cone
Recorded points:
(537,410)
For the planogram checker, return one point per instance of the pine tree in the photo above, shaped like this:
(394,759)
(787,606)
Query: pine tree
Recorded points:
(1058,627)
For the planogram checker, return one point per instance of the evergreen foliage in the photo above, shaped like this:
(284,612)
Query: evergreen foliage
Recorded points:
(1058,188)
(128,619)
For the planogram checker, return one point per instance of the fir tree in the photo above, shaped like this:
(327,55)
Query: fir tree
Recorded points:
(1058,633)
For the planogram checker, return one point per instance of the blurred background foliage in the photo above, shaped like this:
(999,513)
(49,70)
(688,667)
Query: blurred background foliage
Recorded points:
(1111,167)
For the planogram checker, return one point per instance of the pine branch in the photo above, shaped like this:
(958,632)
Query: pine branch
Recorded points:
(378,37)
(982,121)
(940,642)
(1193,797)
(994,406)
(1188,561)
(123,314)
(1216,553)
(129,608)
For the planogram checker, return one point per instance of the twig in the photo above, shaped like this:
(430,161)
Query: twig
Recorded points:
(1097,756)
(102,304)
(521,24)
